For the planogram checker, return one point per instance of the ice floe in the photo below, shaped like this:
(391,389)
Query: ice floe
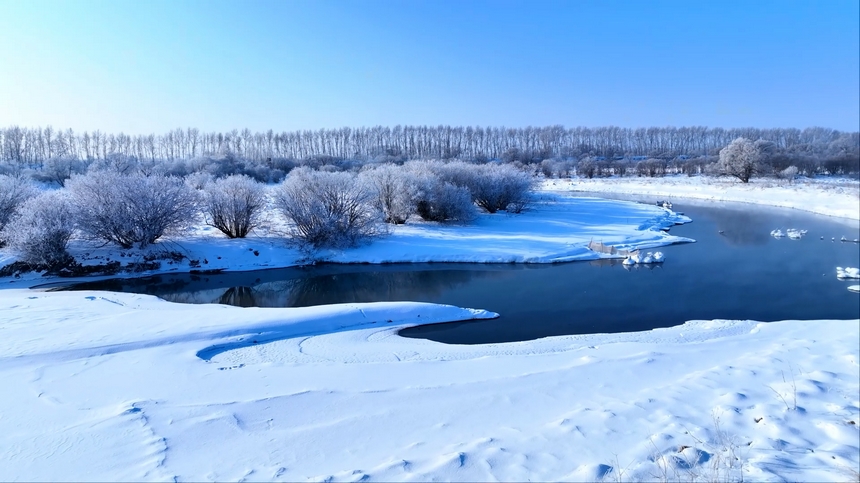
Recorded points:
(792,233)
(848,272)
(649,258)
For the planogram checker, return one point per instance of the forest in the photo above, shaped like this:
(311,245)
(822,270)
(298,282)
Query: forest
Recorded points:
(49,154)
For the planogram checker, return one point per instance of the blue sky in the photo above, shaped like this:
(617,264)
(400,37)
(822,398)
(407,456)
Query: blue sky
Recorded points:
(150,66)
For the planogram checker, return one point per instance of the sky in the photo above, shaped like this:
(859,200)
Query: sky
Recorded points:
(151,66)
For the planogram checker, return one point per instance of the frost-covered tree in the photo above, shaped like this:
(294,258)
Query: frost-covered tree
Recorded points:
(199,179)
(131,209)
(394,191)
(740,159)
(59,169)
(13,192)
(327,209)
(234,204)
(39,232)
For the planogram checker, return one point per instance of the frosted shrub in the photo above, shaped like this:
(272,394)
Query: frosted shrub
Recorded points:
(131,209)
(437,199)
(327,209)
(394,190)
(39,231)
(788,173)
(199,179)
(442,201)
(493,186)
(13,193)
(501,187)
(234,204)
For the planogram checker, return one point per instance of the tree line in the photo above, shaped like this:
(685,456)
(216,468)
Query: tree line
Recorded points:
(23,148)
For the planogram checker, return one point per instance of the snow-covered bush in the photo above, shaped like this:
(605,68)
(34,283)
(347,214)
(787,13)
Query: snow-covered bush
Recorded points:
(59,169)
(501,187)
(437,199)
(39,231)
(234,204)
(13,193)
(131,209)
(199,179)
(327,209)
(443,201)
(586,167)
(788,173)
(394,190)
(493,186)
(115,162)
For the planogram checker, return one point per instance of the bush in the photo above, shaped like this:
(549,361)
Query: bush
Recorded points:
(39,232)
(131,209)
(327,209)
(13,193)
(492,186)
(442,201)
(586,167)
(437,199)
(233,205)
(199,179)
(394,191)
(501,187)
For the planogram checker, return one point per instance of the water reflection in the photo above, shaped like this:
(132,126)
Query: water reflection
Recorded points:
(313,286)
(740,228)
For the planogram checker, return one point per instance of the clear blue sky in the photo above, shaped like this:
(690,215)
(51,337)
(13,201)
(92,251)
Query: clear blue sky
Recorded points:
(150,66)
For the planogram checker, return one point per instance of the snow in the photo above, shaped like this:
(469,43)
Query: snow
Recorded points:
(848,272)
(832,197)
(648,258)
(127,387)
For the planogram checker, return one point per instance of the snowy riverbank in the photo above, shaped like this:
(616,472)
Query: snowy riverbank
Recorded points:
(557,228)
(825,196)
(110,387)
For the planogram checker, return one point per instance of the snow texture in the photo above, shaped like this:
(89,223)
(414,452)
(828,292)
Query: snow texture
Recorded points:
(127,387)
(107,386)
(832,197)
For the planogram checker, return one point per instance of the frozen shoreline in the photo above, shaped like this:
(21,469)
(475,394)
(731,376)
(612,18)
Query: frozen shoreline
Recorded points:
(558,228)
(113,386)
(830,197)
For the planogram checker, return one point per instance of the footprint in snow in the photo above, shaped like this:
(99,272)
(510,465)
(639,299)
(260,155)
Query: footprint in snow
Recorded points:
(230,368)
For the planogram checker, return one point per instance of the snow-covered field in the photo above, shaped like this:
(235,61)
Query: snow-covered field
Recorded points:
(832,197)
(107,386)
